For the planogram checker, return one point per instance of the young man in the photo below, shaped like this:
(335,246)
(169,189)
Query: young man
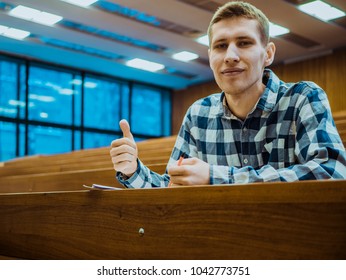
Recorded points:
(258,129)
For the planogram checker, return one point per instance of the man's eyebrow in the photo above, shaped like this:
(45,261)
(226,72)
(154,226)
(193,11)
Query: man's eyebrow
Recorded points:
(219,40)
(241,37)
(244,38)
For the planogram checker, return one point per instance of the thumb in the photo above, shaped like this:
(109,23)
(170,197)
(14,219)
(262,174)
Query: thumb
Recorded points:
(125,128)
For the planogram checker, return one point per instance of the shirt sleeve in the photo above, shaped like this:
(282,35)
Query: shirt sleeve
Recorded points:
(319,151)
(143,178)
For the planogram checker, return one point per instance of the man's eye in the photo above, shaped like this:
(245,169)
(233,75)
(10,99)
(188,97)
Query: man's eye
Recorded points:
(221,46)
(244,43)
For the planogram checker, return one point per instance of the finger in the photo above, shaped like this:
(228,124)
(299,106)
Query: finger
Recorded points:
(125,128)
(177,171)
(189,161)
(123,149)
(179,180)
(123,158)
(123,142)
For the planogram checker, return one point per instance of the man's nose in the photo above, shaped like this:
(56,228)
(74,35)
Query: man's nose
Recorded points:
(232,54)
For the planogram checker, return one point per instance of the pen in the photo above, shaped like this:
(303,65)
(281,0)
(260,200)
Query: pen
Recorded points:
(179,163)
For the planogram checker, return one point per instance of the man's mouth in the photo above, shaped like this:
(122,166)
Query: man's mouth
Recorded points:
(232,71)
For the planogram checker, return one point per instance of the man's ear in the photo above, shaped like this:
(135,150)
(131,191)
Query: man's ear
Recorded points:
(270,54)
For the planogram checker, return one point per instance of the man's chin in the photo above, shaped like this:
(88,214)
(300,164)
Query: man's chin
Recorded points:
(233,91)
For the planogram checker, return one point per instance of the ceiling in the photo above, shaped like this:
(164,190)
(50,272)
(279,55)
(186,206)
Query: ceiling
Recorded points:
(163,27)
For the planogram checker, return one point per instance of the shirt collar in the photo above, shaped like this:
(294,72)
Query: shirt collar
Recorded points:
(268,99)
(266,102)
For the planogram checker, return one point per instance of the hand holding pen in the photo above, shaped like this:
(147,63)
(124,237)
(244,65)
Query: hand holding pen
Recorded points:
(178,164)
(189,171)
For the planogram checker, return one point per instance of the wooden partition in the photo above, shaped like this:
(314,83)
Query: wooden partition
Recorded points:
(304,220)
(45,213)
(150,151)
(70,171)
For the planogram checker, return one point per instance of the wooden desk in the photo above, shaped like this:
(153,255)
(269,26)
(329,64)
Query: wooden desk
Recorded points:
(304,220)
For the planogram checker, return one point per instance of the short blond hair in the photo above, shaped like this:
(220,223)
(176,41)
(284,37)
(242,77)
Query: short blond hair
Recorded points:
(241,9)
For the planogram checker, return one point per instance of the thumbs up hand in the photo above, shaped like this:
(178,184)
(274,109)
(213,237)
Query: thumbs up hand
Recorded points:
(125,128)
(124,152)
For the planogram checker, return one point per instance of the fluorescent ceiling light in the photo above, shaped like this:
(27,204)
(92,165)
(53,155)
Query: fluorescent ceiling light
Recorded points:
(42,98)
(8,111)
(24,12)
(185,56)
(277,30)
(321,10)
(145,65)
(43,115)
(66,91)
(3,28)
(81,3)
(13,32)
(204,40)
(90,85)
(35,15)
(18,103)
(76,82)
(47,18)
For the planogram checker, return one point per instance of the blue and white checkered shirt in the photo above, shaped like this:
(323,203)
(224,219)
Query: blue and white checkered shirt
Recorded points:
(290,135)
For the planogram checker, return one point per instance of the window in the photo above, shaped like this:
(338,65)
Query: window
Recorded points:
(101,104)
(49,140)
(146,111)
(7,140)
(9,102)
(49,110)
(50,96)
(94,140)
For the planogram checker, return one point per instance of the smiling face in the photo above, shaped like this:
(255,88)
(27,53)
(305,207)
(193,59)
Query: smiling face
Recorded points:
(237,56)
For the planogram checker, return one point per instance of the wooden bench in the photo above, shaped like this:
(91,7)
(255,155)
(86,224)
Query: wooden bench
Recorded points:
(64,181)
(303,220)
(144,147)
(340,115)
(65,162)
(150,152)
(341,125)
(70,171)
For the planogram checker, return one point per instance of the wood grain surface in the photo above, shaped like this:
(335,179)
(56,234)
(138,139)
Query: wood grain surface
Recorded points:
(303,220)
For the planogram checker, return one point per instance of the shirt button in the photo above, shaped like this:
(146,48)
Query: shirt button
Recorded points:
(245,160)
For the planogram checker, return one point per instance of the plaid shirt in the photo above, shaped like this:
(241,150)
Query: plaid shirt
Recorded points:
(290,135)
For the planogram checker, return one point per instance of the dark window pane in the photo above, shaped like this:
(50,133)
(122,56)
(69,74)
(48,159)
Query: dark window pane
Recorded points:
(9,102)
(77,99)
(77,140)
(22,91)
(49,140)
(167,116)
(101,104)
(146,111)
(139,139)
(7,141)
(125,101)
(50,96)
(95,140)
(21,140)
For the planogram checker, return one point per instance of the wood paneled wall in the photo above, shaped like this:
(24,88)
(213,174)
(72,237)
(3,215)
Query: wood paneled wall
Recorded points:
(329,72)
